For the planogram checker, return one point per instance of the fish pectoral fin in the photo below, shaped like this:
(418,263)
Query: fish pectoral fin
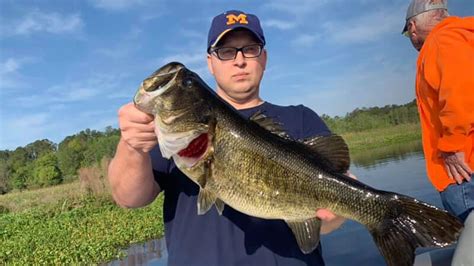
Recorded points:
(333,149)
(219,206)
(205,200)
(307,233)
(269,124)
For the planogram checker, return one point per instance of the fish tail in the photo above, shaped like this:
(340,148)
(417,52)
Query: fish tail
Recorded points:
(409,224)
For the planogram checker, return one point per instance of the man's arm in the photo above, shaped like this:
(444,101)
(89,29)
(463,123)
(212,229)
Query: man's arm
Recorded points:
(130,172)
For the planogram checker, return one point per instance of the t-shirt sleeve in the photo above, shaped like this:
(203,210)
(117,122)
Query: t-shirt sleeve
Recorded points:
(312,124)
(160,167)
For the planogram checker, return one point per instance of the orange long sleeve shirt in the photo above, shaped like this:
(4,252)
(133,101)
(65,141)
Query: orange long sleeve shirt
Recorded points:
(445,95)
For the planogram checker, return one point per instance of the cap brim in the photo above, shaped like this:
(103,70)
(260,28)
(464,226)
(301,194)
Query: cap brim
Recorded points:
(405,29)
(231,29)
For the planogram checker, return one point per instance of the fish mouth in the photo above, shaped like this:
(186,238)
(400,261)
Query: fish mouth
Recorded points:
(164,76)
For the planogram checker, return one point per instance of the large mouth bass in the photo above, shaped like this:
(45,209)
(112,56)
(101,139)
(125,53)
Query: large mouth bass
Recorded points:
(254,167)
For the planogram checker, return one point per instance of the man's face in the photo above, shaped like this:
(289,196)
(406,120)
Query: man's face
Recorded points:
(418,32)
(238,79)
(415,38)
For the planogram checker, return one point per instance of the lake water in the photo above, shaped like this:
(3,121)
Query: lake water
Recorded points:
(398,168)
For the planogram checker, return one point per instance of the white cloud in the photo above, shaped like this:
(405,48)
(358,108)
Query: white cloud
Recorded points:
(10,76)
(71,92)
(196,62)
(363,85)
(26,128)
(37,21)
(298,8)
(193,34)
(9,66)
(29,121)
(117,5)
(365,28)
(186,59)
(278,24)
(125,46)
(304,40)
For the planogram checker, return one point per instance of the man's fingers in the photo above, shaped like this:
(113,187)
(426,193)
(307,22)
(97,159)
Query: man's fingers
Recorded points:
(131,113)
(139,127)
(144,136)
(455,174)
(140,117)
(462,172)
(466,168)
(448,170)
(325,214)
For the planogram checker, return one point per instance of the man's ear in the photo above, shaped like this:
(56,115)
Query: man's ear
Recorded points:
(264,54)
(412,26)
(209,64)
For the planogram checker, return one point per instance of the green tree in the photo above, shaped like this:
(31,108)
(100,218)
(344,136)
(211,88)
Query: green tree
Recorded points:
(18,158)
(70,156)
(4,155)
(20,176)
(46,171)
(38,148)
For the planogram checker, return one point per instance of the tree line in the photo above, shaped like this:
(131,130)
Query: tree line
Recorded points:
(44,163)
(374,117)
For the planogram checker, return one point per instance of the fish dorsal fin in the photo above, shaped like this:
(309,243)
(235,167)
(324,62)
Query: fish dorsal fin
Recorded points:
(269,124)
(306,232)
(333,149)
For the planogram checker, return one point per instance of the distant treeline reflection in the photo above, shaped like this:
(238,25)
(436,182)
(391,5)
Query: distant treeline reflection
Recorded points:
(395,152)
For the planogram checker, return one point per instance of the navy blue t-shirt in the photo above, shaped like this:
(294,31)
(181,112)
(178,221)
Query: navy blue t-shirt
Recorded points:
(233,238)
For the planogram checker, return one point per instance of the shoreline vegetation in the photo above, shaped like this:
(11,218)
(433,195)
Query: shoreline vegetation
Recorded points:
(78,222)
(56,207)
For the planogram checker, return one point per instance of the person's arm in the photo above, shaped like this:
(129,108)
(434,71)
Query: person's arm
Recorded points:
(451,71)
(130,172)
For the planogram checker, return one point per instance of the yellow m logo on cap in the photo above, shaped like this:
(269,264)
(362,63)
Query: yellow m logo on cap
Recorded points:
(232,19)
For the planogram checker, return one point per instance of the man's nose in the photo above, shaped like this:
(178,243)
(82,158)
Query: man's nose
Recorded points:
(239,59)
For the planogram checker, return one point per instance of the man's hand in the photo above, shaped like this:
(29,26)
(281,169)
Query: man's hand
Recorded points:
(456,166)
(137,128)
(330,220)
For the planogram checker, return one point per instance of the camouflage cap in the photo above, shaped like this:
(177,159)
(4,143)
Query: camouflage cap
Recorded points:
(417,7)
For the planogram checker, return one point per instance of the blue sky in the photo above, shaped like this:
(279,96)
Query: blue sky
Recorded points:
(69,65)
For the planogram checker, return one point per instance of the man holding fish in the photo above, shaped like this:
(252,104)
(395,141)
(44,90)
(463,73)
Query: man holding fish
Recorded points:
(272,172)
(138,172)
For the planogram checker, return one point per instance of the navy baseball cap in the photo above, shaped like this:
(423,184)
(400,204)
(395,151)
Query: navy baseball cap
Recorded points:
(230,20)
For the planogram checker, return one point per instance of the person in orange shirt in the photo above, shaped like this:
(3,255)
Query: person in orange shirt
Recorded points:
(445,98)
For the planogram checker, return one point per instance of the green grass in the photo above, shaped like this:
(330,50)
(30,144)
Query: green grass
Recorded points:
(87,230)
(19,201)
(365,140)
(62,225)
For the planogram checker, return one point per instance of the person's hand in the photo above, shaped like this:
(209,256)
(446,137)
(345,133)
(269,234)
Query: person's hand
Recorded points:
(456,166)
(331,221)
(137,128)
